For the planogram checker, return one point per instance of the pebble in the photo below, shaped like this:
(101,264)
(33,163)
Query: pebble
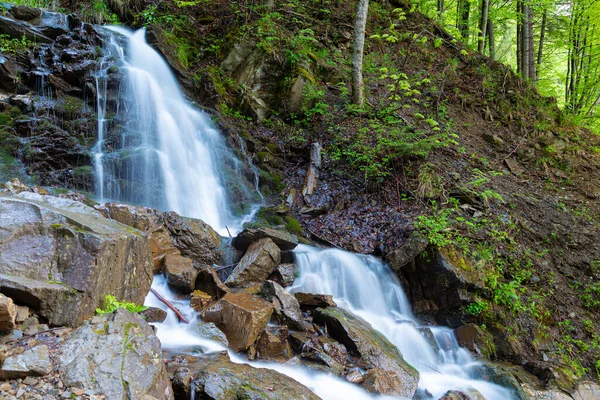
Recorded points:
(5,387)
(77,391)
(89,392)
(30,381)
(66,395)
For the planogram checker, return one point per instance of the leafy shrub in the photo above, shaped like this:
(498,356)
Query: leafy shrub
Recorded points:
(111,305)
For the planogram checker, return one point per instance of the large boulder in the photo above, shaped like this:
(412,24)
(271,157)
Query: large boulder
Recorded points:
(273,344)
(117,355)
(191,237)
(314,300)
(61,257)
(216,377)
(241,316)
(367,343)
(209,282)
(284,240)
(260,260)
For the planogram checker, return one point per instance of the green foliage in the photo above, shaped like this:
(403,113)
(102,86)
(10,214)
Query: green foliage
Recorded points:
(477,308)
(111,305)
(14,46)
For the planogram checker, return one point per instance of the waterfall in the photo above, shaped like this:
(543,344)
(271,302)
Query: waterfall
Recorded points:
(369,288)
(162,153)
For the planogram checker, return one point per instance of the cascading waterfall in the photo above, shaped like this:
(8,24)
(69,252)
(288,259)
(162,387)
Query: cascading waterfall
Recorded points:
(167,154)
(370,289)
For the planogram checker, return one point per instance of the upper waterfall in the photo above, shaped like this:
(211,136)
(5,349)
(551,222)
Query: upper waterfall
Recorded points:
(168,154)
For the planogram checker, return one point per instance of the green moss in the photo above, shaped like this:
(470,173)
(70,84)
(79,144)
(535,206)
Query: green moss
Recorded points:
(292,225)
(5,119)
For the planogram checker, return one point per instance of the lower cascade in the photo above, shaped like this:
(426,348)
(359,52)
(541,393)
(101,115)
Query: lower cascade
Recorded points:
(368,288)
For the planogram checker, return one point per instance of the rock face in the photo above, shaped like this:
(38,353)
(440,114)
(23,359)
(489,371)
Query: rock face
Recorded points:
(439,282)
(363,341)
(241,316)
(8,313)
(129,366)
(284,240)
(219,379)
(256,265)
(476,339)
(32,362)
(61,257)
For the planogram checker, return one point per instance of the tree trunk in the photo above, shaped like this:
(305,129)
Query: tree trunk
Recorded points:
(440,7)
(519,35)
(462,23)
(483,22)
(530,47)
(542,36)
(524,41)
(358,49)
(491,39)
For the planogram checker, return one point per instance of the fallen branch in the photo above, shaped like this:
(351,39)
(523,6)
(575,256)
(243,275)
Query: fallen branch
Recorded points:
(171,306)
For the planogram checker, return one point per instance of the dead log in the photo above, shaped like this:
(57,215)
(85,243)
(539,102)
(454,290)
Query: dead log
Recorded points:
(171,306)
(312,176)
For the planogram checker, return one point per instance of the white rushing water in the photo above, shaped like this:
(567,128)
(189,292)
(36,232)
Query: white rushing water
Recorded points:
(168,154)
(370,289)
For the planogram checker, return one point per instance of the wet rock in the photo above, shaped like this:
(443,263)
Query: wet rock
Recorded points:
(25,13)
(141,218)
(287,309)
(32,362)
(180,272)
(209,282)
(210,331)
(383,382)
(284,274)
(471,394)
(256,265)
(324,359)
(241,316)
(363,341)
(354,376)
(154,314)
(428,335)
(313,300)
(272,344)
(129,364)
(476,339)
(8,314)
(216,377)
(199,300)
(284,240)
(18,29)
(406,252)
(61,257)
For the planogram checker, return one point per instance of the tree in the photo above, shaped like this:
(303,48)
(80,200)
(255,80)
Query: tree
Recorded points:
(483,24)
(358,50)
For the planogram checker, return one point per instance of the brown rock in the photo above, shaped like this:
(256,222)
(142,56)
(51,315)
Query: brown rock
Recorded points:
(180,272)
(383,382)
(161,245)
(241,316)
(476,339)
(273,344)
(199,300)
(23,313)
(154,314)
(354,376)
(260,260)
(313,300)
(8,313)
(287,309)
(209,282)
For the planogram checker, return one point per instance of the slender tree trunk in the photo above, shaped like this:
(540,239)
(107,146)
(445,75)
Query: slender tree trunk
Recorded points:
(483,22)
(491,38)
(530,47)
(524,42)
(519,35)
(358,50)
(542,37)
(462,23)
(440,8)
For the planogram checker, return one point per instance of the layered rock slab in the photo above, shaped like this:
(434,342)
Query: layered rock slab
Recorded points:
(61,257)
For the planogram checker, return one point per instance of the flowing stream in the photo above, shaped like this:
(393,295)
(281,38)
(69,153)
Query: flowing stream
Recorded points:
(169,156)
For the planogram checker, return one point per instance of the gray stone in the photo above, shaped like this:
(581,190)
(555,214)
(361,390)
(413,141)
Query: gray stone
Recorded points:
(284,240)
(119,357)
(406,252)
(25,13)
(287,309)
(32,362)
(210,331)
(284,274)
(61,257)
